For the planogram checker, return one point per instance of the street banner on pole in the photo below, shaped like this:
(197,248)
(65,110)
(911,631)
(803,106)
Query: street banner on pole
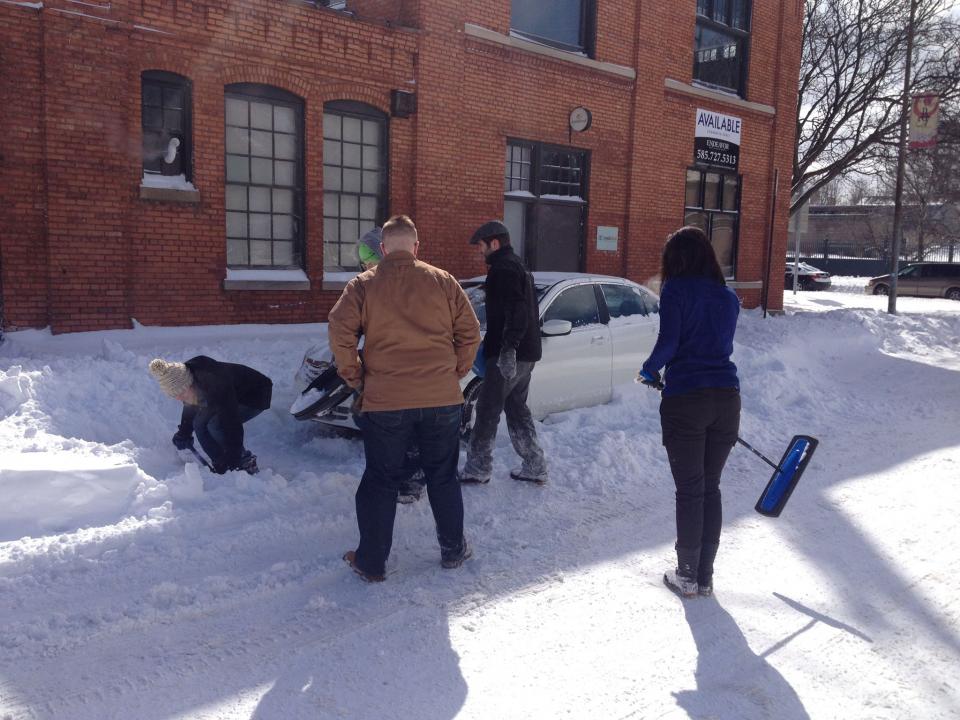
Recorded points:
(924,118)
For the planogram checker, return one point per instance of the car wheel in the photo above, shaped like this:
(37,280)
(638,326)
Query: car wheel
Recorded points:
(953,293)
(470,396)
(881,289)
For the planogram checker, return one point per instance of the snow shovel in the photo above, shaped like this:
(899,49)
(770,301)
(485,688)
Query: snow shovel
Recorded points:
(785,476)
(201,458)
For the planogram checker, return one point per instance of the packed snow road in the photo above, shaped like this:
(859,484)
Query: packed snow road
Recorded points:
(134,586)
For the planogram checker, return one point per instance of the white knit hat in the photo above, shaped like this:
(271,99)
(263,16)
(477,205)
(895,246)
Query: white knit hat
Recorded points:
(173,377)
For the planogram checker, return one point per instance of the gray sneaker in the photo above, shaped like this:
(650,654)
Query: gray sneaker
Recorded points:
(471,480)
(526,476)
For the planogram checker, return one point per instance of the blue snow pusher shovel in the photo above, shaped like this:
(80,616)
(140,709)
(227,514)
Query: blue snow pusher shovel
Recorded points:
(479,363)
(785,476)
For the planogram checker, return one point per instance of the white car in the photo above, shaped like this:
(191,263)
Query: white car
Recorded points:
(597,330)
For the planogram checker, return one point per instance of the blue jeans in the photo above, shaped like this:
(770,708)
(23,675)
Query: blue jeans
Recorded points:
(207,425)
(387,435)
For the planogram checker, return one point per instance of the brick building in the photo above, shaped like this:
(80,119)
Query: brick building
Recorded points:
(204,161)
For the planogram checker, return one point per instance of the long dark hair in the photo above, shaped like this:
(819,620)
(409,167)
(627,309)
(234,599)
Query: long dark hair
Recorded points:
(688,253)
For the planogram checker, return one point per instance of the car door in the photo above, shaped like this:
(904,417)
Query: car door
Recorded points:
(575,369)
(634,324)
(908,280)
(931,280)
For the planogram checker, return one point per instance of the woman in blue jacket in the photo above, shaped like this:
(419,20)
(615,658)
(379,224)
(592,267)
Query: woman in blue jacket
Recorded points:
(700,407)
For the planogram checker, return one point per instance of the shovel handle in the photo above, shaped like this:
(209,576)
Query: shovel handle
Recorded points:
(201,458)
(756,452)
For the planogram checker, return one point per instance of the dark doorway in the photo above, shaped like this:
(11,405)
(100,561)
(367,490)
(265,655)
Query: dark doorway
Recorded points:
(558,237)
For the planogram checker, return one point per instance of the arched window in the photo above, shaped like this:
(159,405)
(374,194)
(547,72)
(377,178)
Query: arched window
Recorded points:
(354,179)
(264,176)
(165,121)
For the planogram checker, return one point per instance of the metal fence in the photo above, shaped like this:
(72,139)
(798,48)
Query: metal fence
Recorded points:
(826,249)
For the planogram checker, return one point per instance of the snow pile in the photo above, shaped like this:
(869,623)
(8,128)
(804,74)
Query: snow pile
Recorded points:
(52,491)
(16,387)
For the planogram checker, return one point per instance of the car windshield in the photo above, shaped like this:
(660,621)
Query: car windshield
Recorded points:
(803,268)
(476,293)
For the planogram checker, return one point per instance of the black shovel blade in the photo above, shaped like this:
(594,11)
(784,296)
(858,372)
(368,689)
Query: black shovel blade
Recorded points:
(785,478)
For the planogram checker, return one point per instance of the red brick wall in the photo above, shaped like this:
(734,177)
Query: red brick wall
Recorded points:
(114,256)
(23,252)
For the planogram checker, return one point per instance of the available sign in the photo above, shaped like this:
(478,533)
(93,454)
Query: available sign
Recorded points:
(717,140)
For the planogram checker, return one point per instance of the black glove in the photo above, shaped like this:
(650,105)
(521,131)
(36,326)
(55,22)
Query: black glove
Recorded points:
(652,380)
(507,362)
(183,442)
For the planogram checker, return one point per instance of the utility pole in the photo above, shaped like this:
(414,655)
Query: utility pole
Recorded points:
(901,163)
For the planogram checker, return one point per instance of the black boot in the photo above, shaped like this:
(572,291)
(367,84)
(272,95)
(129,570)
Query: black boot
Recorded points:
(688,561)
(683,580)
(705,573)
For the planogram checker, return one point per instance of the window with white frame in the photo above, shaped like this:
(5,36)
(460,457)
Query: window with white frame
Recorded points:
(354,179)
(264,177)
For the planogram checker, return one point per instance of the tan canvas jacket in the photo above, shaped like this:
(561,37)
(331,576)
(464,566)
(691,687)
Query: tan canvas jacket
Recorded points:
(421,335)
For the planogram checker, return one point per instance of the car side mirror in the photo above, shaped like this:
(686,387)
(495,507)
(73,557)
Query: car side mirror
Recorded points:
(556,328)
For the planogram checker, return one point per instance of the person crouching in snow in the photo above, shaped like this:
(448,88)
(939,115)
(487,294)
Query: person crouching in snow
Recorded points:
(700,406)
(218,398)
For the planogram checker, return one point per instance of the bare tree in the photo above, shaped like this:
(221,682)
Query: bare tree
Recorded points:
(828,194)
(859,189)
(851,82)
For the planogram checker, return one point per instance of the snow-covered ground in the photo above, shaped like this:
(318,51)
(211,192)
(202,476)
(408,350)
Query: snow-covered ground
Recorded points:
(135,587)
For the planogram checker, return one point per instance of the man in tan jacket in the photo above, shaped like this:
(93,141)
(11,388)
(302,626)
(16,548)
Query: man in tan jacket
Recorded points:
(420,338)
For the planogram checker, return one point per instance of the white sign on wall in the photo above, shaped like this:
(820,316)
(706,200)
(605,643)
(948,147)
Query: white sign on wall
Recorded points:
(607,238)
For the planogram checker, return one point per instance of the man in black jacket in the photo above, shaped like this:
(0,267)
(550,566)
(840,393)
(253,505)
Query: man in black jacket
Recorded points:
(511,348)
(218,398)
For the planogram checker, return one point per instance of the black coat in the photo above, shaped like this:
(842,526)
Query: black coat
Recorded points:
(223,387)
(513,314)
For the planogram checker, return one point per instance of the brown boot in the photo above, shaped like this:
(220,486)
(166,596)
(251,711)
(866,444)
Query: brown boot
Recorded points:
(350,557)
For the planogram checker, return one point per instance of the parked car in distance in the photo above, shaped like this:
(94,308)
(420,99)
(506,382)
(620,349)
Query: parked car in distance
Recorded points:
(808,277)
(597,330)
(924,279)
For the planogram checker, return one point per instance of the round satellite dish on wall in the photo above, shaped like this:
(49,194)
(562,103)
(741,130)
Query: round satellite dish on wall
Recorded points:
(580,119)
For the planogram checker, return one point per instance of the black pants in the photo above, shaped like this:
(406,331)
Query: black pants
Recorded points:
(387,436)
(699,430)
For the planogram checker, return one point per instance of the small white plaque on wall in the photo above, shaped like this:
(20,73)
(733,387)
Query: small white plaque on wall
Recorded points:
(607,238)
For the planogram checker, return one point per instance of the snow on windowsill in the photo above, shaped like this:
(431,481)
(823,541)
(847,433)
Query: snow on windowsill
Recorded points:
(525,38)
(167,182)
(570,198)
(293,275)
(519,194)
(341,277)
